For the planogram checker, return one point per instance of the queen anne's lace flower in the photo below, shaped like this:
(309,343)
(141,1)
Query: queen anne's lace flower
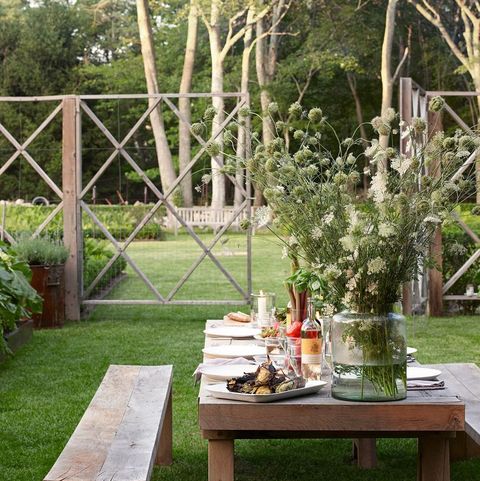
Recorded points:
(431,219)
(401,164)
(317,233)
(378,188)
(327,219)
(386,230)
(262,216)
(376,265)
(348,243)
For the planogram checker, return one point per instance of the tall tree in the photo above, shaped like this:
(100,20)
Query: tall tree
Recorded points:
(235,11)
(388,79)
(266,60)
(164,156)
(184,141)
(242,148)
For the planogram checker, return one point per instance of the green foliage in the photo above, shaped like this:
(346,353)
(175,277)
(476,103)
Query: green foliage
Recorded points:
(119,221)
(17,298)
(41,251)
(96,254)
(457,248)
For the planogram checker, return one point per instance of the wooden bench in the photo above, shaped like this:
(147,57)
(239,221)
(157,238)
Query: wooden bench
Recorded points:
(464,379)
(125,430)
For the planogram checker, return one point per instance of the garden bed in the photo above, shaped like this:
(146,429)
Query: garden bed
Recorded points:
(19,337)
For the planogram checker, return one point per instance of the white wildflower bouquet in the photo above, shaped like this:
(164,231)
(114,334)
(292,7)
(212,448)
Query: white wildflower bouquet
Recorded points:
(366,246)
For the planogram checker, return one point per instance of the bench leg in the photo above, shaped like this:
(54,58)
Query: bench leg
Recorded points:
(463,447)
(220,460)
(365,452)
(164,453)
(433,458)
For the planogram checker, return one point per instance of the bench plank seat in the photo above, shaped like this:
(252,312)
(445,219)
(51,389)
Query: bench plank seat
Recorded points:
(119,434)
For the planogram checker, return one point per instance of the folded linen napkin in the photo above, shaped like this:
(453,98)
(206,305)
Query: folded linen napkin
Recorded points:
(219,361)
(419,385)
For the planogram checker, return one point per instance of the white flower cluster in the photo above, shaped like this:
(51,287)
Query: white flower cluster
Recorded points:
(317,233)
(401,164)
(376,265)
(327,219)
(386,230)
(378,188)
(431,219)
(262,216)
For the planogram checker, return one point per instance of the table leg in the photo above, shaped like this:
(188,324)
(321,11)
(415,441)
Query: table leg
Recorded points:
(433,458)
(164,452)
(365,452)
(220,460)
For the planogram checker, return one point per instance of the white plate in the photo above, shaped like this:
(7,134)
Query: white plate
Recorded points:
(411,350)
(220,391)
(227,371)
(234,350)
(231,331)
(423,373)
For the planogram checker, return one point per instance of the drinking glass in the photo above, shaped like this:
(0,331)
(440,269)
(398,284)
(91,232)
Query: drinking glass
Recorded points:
(263,309)
(293,358)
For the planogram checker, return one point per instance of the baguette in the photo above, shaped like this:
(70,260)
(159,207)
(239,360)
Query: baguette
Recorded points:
(238,317)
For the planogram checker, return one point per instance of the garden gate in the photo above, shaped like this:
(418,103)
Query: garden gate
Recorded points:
(430,285)
(75,187)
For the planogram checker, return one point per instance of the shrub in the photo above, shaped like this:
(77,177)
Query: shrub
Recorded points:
(119,221)
(96,254)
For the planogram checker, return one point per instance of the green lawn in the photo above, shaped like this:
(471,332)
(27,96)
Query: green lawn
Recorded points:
(45,388)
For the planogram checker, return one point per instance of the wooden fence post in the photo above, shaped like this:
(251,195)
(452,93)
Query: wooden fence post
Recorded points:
(406,116)
(72,227)
(435,277)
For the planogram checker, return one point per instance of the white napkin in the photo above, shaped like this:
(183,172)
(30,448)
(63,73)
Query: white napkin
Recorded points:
(219,361)
(418,385)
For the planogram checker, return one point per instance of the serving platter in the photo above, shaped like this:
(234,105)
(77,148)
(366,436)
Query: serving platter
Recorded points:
(220,391)
(234,350)
(232,331)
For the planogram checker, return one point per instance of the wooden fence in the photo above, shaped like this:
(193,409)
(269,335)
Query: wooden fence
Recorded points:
(72,194)
(431,287)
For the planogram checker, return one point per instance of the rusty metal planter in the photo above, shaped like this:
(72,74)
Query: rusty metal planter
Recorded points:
(49,282)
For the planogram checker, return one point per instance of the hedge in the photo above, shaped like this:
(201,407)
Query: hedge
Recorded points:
(119,220)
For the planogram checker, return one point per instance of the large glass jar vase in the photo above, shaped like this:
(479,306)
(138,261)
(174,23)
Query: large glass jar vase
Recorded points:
(369,357)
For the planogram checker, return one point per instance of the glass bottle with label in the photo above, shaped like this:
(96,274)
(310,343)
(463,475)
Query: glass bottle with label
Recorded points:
(311,335)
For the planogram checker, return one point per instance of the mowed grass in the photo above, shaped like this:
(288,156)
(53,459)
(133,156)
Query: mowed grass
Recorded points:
(46,387)
(166,262)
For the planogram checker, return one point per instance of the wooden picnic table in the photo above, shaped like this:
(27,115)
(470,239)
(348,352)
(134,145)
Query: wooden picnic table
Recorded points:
(431,416)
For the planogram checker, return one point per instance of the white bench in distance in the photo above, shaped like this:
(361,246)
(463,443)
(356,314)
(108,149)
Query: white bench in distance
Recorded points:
(126,429)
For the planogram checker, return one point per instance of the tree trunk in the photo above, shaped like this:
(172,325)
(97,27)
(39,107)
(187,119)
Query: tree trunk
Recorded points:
(242,132)
(218,179)
(352,82)
(386,70)
(164,157)
(264,76)
(184,147)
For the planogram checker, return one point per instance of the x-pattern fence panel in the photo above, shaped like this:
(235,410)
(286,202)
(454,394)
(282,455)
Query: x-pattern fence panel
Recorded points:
(73,192)
(414,103)
(21,151)
(164,199)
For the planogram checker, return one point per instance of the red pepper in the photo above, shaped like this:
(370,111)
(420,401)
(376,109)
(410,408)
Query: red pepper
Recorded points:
(294,329)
